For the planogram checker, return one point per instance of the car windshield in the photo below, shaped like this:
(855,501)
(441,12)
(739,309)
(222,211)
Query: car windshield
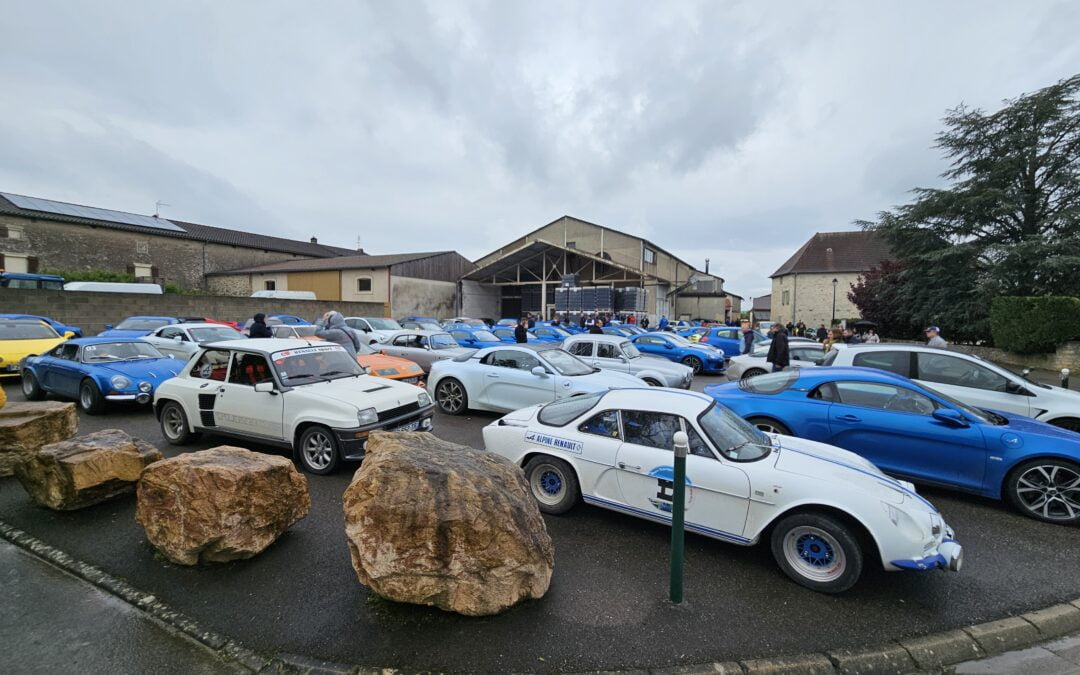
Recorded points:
(566,363)
(120,351)
(141,324)
(769,383)
(443,341)
(988,418)
(737,439)
(680,340)
(485,336)
(212,334)
(364,349)
(629,350)
(26,331)
(384,324)
(558,331)
(558,413)
(314,364)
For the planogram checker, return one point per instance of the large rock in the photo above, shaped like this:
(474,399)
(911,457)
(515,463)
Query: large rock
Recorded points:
(26,426)
(220,504)
(85,470)
(434,523)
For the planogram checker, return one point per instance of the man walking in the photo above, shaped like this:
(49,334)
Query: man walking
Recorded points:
(822,333)
(778,350)
(934,339)
(747,339)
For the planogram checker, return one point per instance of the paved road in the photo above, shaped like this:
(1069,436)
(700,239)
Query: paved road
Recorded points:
(606,607)
(55,623)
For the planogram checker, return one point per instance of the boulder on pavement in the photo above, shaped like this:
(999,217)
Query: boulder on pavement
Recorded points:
(435,523)
(85,470)
(220,504)
(26,426)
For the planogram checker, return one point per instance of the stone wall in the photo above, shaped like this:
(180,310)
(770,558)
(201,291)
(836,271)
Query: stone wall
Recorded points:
(422,297)
(70,247)
(810,297)
(480,301)
(91,311)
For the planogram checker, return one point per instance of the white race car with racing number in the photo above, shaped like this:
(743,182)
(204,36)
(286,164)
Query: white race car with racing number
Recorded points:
(824,510)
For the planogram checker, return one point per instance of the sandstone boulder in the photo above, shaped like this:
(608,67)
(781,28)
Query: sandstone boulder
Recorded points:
(26,426)
(220,504)
(85,470)
(435,523)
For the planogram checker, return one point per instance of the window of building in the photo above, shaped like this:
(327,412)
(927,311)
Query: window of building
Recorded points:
(142,271)
(650,256)
(270,285)
(785,298)
(18,264)
(363,285)
(571,244)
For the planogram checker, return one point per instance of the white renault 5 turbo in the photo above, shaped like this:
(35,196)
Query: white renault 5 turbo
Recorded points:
(824,510)
(308,396)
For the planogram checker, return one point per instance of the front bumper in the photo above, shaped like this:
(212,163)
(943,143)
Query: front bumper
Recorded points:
(354,441)
(140,398)
(948,556)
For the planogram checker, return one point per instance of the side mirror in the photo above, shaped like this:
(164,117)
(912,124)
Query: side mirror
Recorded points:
(539,371)
(265,387)
(68,334)
(1014,388)
(950,417)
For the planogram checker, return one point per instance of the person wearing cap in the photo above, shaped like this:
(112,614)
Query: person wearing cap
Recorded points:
(934,339)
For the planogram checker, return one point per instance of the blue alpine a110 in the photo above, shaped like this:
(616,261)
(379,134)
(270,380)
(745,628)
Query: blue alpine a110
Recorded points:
(137,326)
(702,358)
(914,432)
(96,371)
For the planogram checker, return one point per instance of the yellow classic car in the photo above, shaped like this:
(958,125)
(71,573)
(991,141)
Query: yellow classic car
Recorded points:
(20,338)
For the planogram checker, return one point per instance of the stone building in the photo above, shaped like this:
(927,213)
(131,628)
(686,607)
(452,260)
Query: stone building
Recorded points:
(813,285)
(40,234)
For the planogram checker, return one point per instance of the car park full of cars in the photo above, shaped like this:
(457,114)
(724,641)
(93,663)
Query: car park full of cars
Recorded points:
(612,352)
(182,340)
(56,325)
(701,358)
(137,326)
(801,354)
(825,512)
(508,377)
(22,338)
(967,378)
(423,348)
(375,329)
(98,371)
(472,337)
(314,399)
(918,433)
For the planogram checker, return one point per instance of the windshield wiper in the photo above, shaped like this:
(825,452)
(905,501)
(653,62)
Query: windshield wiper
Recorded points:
(328,373)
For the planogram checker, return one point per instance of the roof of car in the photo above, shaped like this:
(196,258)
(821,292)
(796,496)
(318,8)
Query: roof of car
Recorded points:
(655,398)
(531,346)
(102,340)
(24,322)
(599,337)
(163,318)
(409,331)
(853,372)
(268,345)
(199,324)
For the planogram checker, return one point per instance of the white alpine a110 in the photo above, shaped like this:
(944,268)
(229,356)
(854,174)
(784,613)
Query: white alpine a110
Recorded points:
(823,509)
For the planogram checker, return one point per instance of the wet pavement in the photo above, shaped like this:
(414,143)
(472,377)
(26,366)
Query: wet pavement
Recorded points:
(606,608)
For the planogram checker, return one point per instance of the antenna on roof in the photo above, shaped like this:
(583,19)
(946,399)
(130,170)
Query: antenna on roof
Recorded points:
(157,207)
(359,248)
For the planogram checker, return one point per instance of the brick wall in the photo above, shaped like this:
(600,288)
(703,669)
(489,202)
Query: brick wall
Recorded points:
(91,311)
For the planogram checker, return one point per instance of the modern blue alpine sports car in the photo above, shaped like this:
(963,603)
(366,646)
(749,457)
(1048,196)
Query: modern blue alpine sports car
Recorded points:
(137,326)
(95,371)
(60,328)
(702,358)
(914,432)
(472,337)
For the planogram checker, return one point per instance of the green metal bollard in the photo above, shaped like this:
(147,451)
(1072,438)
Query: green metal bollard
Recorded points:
(678,512)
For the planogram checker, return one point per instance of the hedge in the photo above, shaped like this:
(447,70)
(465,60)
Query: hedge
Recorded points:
(1034,325)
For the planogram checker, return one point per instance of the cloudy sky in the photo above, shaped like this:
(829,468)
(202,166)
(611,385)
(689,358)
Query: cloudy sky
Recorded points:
(725,130)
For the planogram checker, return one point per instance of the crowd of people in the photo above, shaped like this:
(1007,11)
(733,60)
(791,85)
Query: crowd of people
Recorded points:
(778,334)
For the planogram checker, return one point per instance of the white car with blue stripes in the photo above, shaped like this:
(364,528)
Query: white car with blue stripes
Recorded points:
(825,512)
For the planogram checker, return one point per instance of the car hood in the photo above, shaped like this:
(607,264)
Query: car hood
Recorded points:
(606,379)
(831,464)
(1027,425)
(364,391)
(382,361)
(143,369)
(116,332)
(451,353)
(14,350)
(657,363)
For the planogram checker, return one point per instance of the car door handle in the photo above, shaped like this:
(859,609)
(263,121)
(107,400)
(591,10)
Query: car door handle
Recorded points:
(849,418)
(624,465)
(492,375)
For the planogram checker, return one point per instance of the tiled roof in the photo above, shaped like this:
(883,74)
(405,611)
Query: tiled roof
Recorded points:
(762,303)
(340,263)
(196,232)
(856,251)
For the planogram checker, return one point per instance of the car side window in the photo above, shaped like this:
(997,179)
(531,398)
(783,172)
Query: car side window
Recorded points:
(697,443)
(604,424)
(249,369)
(893,362)
(884,397)
(806,354)
(211,365)
(459,335)
(582,348)
(650,429)
(66,352)
(945,369)
(509,358)
(606,350)
(407,341)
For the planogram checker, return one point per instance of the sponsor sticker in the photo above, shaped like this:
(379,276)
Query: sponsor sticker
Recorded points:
(554,442)
(308,350)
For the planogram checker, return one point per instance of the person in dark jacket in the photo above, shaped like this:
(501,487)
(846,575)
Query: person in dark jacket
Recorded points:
(597,327)
(258,328)
(778,350)
(521,334)
(747,339)
(645,323)
(822,333)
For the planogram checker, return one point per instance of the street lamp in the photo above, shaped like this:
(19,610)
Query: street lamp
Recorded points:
(833,320)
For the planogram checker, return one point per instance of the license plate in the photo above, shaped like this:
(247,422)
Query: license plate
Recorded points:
(411,380)
(411,426)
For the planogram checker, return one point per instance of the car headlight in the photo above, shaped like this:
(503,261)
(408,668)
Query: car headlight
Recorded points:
(367,416)
(415,368)
(145,387)
(423,399)
(120,382)
(386,372)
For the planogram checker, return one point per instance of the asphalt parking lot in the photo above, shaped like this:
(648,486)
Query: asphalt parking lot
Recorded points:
(606,608)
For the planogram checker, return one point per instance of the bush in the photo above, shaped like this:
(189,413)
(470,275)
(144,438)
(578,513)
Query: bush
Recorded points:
(1034,325)
(93,275)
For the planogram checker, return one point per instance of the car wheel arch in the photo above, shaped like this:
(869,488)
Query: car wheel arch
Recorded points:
(1056,421)
(864,534)
(1007,472)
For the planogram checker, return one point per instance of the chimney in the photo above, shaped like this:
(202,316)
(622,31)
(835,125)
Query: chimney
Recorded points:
(314,240)
(706,265)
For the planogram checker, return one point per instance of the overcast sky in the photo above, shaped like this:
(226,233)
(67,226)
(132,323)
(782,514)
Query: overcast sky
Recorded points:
(726,130)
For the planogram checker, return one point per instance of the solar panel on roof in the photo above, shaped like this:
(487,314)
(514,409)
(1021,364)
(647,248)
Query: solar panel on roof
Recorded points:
(65,209)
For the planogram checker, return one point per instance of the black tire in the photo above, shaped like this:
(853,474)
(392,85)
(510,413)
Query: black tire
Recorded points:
(90,399)
(451,397)
(1046,489)
(652,382)
(817,551)
(553,484)
(31,388)
(1070,423)
(693,362)
(317,450)
(174,424)
(769,425)
(751,372)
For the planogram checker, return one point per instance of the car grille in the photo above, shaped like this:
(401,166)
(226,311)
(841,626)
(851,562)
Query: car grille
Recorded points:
(411,380)
(399,411)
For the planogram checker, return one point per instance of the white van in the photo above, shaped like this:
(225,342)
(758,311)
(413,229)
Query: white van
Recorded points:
(112,287)
(285,295)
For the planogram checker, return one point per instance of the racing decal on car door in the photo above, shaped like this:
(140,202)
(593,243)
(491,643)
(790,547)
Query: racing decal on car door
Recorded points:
(665,489)
(554,442)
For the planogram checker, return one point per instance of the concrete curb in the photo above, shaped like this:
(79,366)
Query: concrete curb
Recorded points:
(926,653)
